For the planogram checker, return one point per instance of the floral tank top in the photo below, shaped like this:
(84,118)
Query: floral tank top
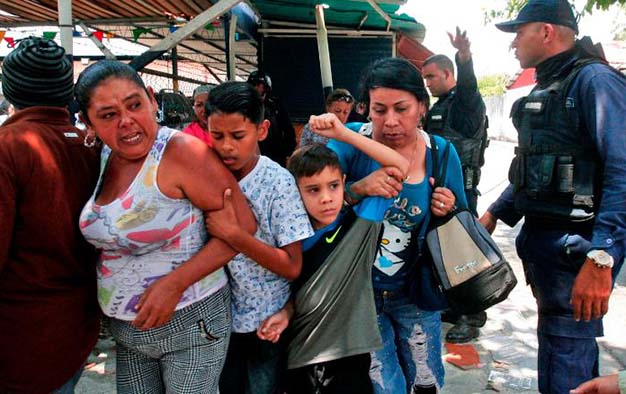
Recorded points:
(142,236)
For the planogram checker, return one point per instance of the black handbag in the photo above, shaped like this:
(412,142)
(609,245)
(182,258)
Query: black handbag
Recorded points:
(469,266)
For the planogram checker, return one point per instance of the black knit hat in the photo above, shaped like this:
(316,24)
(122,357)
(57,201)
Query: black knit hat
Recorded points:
(37,72)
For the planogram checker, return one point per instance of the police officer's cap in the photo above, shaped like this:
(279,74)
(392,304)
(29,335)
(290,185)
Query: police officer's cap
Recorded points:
(557,12)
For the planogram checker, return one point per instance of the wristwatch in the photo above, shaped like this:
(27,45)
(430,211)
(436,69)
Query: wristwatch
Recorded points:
(601,258)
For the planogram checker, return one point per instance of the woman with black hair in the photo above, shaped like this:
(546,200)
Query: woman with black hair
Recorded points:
(160,281)
(407,299)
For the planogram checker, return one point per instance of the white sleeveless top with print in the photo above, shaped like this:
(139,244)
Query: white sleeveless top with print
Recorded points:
(142,236)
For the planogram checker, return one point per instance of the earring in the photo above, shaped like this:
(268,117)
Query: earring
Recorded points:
(90,140)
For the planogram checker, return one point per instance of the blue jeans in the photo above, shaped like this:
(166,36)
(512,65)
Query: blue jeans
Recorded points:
(568,352)
(70,385)
(411,355)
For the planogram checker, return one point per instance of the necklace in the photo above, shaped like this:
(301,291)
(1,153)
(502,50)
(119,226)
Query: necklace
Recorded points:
(413,155)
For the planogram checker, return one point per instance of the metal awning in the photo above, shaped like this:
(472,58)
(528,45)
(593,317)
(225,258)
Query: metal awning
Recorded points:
(149,22)
(354,14)
(351,14)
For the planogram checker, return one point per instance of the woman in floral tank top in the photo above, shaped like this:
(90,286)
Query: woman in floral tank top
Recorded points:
(159,281)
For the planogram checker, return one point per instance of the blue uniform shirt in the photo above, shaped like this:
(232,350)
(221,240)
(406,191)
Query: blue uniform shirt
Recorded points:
(598,97)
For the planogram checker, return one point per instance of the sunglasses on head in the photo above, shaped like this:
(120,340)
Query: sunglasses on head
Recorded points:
(343,97)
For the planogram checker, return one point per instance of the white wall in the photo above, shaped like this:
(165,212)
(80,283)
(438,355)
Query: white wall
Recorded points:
(498,111)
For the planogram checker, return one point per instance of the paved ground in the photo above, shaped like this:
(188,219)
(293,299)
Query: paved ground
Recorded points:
(507,346)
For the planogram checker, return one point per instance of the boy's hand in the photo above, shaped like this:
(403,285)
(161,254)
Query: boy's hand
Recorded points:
(223,223)
(273,326)
(327,125)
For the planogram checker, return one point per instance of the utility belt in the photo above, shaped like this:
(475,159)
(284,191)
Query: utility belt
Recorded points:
(553,186)
(551,224)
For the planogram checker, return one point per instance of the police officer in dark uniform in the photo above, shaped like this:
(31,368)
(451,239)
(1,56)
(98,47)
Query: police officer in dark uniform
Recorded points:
(281,137)
(568,181)
(459,116)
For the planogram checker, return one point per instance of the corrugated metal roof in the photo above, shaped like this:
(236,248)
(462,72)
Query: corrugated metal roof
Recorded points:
(156,18)
(356,14)
(88,10)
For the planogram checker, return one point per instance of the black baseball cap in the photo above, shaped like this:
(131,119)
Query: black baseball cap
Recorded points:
(557,12)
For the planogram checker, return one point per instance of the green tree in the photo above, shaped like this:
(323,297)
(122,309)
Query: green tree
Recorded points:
(493,85)
(512,7)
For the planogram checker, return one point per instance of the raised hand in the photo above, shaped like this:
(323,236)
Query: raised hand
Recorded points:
(461,43)
(327,125)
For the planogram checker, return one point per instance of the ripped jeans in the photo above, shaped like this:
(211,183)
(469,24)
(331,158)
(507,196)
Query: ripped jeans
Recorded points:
(410,360)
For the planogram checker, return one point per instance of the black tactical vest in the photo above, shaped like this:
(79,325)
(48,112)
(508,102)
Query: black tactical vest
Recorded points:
(555,172)
(471,151)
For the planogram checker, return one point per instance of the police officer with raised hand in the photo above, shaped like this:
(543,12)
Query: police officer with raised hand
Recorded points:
(568,180)
(459,113)
(459,116)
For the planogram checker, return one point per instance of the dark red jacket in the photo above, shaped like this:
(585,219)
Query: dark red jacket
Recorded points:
(49,316)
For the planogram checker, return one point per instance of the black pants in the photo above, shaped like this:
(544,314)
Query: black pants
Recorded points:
(471,195)
(348,375)
(252,366)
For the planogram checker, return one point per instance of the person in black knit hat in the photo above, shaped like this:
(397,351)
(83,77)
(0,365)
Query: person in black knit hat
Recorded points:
(48,308)
(37,73)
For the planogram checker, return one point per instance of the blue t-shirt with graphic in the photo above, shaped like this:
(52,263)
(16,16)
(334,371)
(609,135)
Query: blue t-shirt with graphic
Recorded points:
(410,211)
(399,244)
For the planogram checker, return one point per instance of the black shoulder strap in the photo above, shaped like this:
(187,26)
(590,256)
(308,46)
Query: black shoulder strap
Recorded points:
(439,170)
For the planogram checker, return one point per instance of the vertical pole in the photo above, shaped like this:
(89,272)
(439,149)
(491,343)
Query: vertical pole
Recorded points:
(231,30)
(322,49)
(66,26)
(175,69)
(260,53)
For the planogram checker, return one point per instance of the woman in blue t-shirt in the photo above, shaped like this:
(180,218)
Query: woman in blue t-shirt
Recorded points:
(407,298)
